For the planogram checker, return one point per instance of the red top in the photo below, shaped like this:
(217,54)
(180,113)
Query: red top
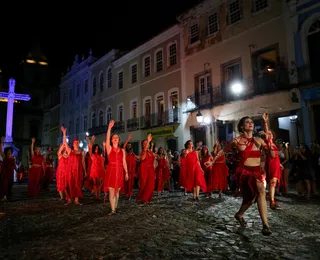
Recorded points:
(248,152)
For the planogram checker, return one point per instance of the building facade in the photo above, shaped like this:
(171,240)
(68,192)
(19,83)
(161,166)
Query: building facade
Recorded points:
(236,63)
(141,92)
(304,28)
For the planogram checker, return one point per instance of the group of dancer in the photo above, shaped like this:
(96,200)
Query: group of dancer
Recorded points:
(111,169)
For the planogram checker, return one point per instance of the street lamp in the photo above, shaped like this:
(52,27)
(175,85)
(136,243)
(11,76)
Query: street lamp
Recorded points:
(237,87)
(199,117)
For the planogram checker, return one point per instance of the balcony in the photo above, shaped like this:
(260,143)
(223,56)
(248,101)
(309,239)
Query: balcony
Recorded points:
(171,116)
(118,128)
(132,124)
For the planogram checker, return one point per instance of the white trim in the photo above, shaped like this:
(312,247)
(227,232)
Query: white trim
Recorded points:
(159,94)
(143,63)
(131,65)
(118,72)
(304,35)
(144,107)
(134,87)
(170,91)
(155,59)
(102,81)
(118,114)
(131,111)
(168,53)
(109,68)
(160,38)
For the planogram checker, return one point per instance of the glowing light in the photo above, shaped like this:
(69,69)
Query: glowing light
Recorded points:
(6,100)
(81,144)
(87,134)
(43,63)
(11,98)
(237,88)
(199,117)
(30,61)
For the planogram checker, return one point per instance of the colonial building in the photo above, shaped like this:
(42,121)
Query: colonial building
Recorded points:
(141,92)
(304,28)
(75,94)
(235,64)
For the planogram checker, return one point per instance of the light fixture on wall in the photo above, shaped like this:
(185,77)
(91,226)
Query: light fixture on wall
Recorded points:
(199,117)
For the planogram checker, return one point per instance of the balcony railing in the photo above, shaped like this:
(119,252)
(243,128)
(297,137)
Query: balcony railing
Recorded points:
(119,127)
(132,124)
(171,116)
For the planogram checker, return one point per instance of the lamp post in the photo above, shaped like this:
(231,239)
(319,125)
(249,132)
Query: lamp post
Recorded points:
(199,117)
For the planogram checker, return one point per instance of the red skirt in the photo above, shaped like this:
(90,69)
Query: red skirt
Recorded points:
(219,177)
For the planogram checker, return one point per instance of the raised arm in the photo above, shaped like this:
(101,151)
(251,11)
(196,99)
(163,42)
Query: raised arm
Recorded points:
(1,146)
(108,146)
(83,154)
(143,153)
(62,146)
(32,146)
(124,162)
(127,141)
(64,139)
(267,146)
(265,122)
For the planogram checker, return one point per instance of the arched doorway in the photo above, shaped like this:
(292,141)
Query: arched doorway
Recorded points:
(314,50)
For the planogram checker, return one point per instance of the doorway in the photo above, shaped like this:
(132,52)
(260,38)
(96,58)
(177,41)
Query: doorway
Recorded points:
(314,50)
(198,134)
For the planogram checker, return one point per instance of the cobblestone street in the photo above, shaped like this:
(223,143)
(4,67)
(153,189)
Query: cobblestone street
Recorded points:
(172,227)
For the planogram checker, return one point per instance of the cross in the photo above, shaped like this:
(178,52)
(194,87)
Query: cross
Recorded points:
(11,96)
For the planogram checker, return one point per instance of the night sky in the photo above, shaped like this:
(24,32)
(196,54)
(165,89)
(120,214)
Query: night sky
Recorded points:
(62,32)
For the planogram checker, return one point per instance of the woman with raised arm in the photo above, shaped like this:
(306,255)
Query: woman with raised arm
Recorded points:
(77,170)
(117,165)
(272,164)
(194,174)
(36,172)
(146,172)
(6,171)
(162,170)
(205,160)
(249,176)
(62,170)
(97,170)
(131,160)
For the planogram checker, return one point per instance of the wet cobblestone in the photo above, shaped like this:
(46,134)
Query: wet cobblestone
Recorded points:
(172,227)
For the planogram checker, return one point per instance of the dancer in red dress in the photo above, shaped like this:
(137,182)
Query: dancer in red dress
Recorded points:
(272,165)
(97,170)
(131,160)
(62,170)
(248,171)
(182,173)
(205,160)
(117,165)
(146,172)
(48,169)
(6,171)
(162,170)
(77,170)
(36,172)
(194,174)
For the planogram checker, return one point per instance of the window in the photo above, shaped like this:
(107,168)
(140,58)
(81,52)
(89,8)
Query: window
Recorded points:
(213,24)
(85,86)
(134,73)
(120,80)
(232,72)
(78,125)
(134,109)
(160,104)
(93,120)
(172,54)
(109,78)
(78,91)
(205,84)
(70,94)
(234,11)
(101,118)
(159,60)
(259,5)
(85,123)
(174,102)
(120,113)
(101,81)
(94,86)
(147,66)
(194,33)
(109,114)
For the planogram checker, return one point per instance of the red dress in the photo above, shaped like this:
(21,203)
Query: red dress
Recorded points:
(207,170)
(48,175)
(61,173)
(97,166)
(74,176)
(272,165)
(162,174)
(132,166)
(114,177)
(194,173)
(35,174)
(219,173)
(6,176)
(146,177)
(88,180)
(182,173)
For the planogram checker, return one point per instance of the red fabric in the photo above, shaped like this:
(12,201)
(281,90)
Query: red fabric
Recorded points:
(272,165)
(219,173)
(35,174)
(132,166)
(74,177)
(194,173)
(182,173)
(97,166)
(114,177)
(6,176)
(61,173)
(48,174)
(88,180)
(247,152)
(162,174)
(146,178)
(207,170)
